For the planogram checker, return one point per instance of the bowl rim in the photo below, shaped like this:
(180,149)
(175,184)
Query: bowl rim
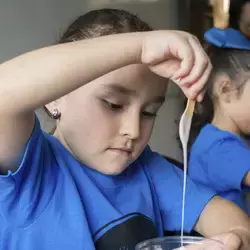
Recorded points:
(172,239)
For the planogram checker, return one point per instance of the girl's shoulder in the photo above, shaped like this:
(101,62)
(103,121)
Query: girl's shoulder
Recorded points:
(211,137)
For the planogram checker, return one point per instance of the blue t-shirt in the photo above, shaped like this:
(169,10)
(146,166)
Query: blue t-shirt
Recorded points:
(221,160)
(54,202)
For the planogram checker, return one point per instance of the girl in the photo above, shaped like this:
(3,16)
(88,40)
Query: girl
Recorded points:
(96,184)
(238,25)
(237,18)
(220,156)
(239,14)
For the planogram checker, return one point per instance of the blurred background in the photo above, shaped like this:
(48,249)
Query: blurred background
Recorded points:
(30,24)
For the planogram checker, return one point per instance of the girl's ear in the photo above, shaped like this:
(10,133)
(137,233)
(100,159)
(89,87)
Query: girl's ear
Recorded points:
(226,89)
(53,109)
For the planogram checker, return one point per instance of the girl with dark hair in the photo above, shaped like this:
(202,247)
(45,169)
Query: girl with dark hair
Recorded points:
(220,154)
(95,183)
(239,16)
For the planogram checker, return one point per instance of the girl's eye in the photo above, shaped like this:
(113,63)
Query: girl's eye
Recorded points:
(149,115)
(113,106)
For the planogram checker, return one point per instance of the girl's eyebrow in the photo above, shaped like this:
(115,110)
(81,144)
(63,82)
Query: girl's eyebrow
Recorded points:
(115,88)
(120,89)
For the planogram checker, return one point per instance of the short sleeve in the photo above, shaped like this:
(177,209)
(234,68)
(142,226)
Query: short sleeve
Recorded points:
(228,164)
(168,183)
(23,192)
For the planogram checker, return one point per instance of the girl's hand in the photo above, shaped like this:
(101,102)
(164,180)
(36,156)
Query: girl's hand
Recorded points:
(226,241)
(179,56)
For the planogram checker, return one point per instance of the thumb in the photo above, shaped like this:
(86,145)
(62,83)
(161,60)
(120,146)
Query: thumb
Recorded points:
(206,244)
(231,241)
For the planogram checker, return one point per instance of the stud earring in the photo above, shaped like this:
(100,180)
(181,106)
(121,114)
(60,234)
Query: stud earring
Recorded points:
(56,114)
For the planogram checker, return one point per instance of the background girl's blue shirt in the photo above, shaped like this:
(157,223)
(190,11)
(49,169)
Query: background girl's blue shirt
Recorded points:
(221,160)
(54,202)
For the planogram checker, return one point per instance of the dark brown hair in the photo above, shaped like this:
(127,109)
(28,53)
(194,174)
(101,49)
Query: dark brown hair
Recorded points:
(103,22)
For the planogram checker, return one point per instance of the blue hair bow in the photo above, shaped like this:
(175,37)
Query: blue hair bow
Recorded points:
(227,38)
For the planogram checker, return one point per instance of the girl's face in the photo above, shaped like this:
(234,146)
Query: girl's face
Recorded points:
(239,109)
(232,106)
(107,123)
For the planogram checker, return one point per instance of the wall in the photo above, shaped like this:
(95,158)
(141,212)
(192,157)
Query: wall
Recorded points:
(29,24)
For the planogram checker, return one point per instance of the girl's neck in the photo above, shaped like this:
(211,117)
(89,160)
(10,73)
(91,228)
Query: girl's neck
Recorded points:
(57,133)
(224,122)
